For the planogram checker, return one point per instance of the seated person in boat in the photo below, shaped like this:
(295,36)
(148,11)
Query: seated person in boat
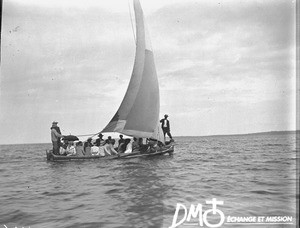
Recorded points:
(142,147)
(88,152)
(107,141)
(71,151)
(128,144)
(79,149)
(63,147)
(122,146)
(121,143)
(121,140)
(109,148)
(153,146)
(87,147)
(101,151)
(135,145)
(95,149)
(161,144)
(100,140)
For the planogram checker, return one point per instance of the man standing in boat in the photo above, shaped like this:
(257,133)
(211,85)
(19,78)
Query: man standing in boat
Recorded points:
(165,125)
(55,137)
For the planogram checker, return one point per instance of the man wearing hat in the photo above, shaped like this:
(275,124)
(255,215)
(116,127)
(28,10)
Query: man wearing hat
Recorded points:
(165,125)
(100,140)
(55,137)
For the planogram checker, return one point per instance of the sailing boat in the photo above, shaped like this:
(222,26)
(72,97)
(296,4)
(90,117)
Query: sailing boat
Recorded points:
(138,114)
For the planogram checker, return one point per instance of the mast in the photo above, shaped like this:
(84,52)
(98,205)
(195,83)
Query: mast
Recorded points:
(138,113)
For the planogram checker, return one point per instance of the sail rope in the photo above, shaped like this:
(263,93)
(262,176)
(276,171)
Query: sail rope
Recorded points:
(131,22)
(85,135)
(92,135)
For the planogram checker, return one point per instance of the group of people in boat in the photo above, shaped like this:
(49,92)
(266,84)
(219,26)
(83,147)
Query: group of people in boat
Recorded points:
(88,148)
(105,147)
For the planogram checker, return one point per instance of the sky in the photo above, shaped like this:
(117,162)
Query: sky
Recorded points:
(224,66)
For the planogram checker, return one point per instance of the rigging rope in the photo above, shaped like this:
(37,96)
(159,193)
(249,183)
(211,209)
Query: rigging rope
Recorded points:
(131,22)
(92,135)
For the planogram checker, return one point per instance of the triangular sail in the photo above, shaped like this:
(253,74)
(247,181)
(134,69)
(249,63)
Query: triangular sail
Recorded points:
(139,111)
(158,134)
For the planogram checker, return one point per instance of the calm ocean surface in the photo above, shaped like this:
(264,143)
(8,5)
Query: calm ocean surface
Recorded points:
(255,175)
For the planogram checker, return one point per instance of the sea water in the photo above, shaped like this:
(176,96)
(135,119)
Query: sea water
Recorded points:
(252,175)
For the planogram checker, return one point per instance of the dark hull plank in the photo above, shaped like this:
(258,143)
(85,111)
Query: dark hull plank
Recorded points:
(53,157)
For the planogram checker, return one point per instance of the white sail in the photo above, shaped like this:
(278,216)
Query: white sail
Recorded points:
(138,113)
(158,134)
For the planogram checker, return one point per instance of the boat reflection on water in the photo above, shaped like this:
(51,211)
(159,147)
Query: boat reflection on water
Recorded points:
(146,188)
(115,193)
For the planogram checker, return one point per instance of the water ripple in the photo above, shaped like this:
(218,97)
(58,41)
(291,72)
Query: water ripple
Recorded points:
(253,175)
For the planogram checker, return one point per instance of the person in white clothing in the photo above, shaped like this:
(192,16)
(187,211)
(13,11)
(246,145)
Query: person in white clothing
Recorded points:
(71,150)
(94,149)
(63,147)
(128,146)
(101,151)
(62,151)
(109,148)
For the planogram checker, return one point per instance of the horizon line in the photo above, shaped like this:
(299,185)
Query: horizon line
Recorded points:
(253,133)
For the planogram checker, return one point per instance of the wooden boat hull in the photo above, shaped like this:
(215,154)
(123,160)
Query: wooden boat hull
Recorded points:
(52,157)
(167,150)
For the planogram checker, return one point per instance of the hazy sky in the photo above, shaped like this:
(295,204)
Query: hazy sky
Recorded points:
(224,67)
